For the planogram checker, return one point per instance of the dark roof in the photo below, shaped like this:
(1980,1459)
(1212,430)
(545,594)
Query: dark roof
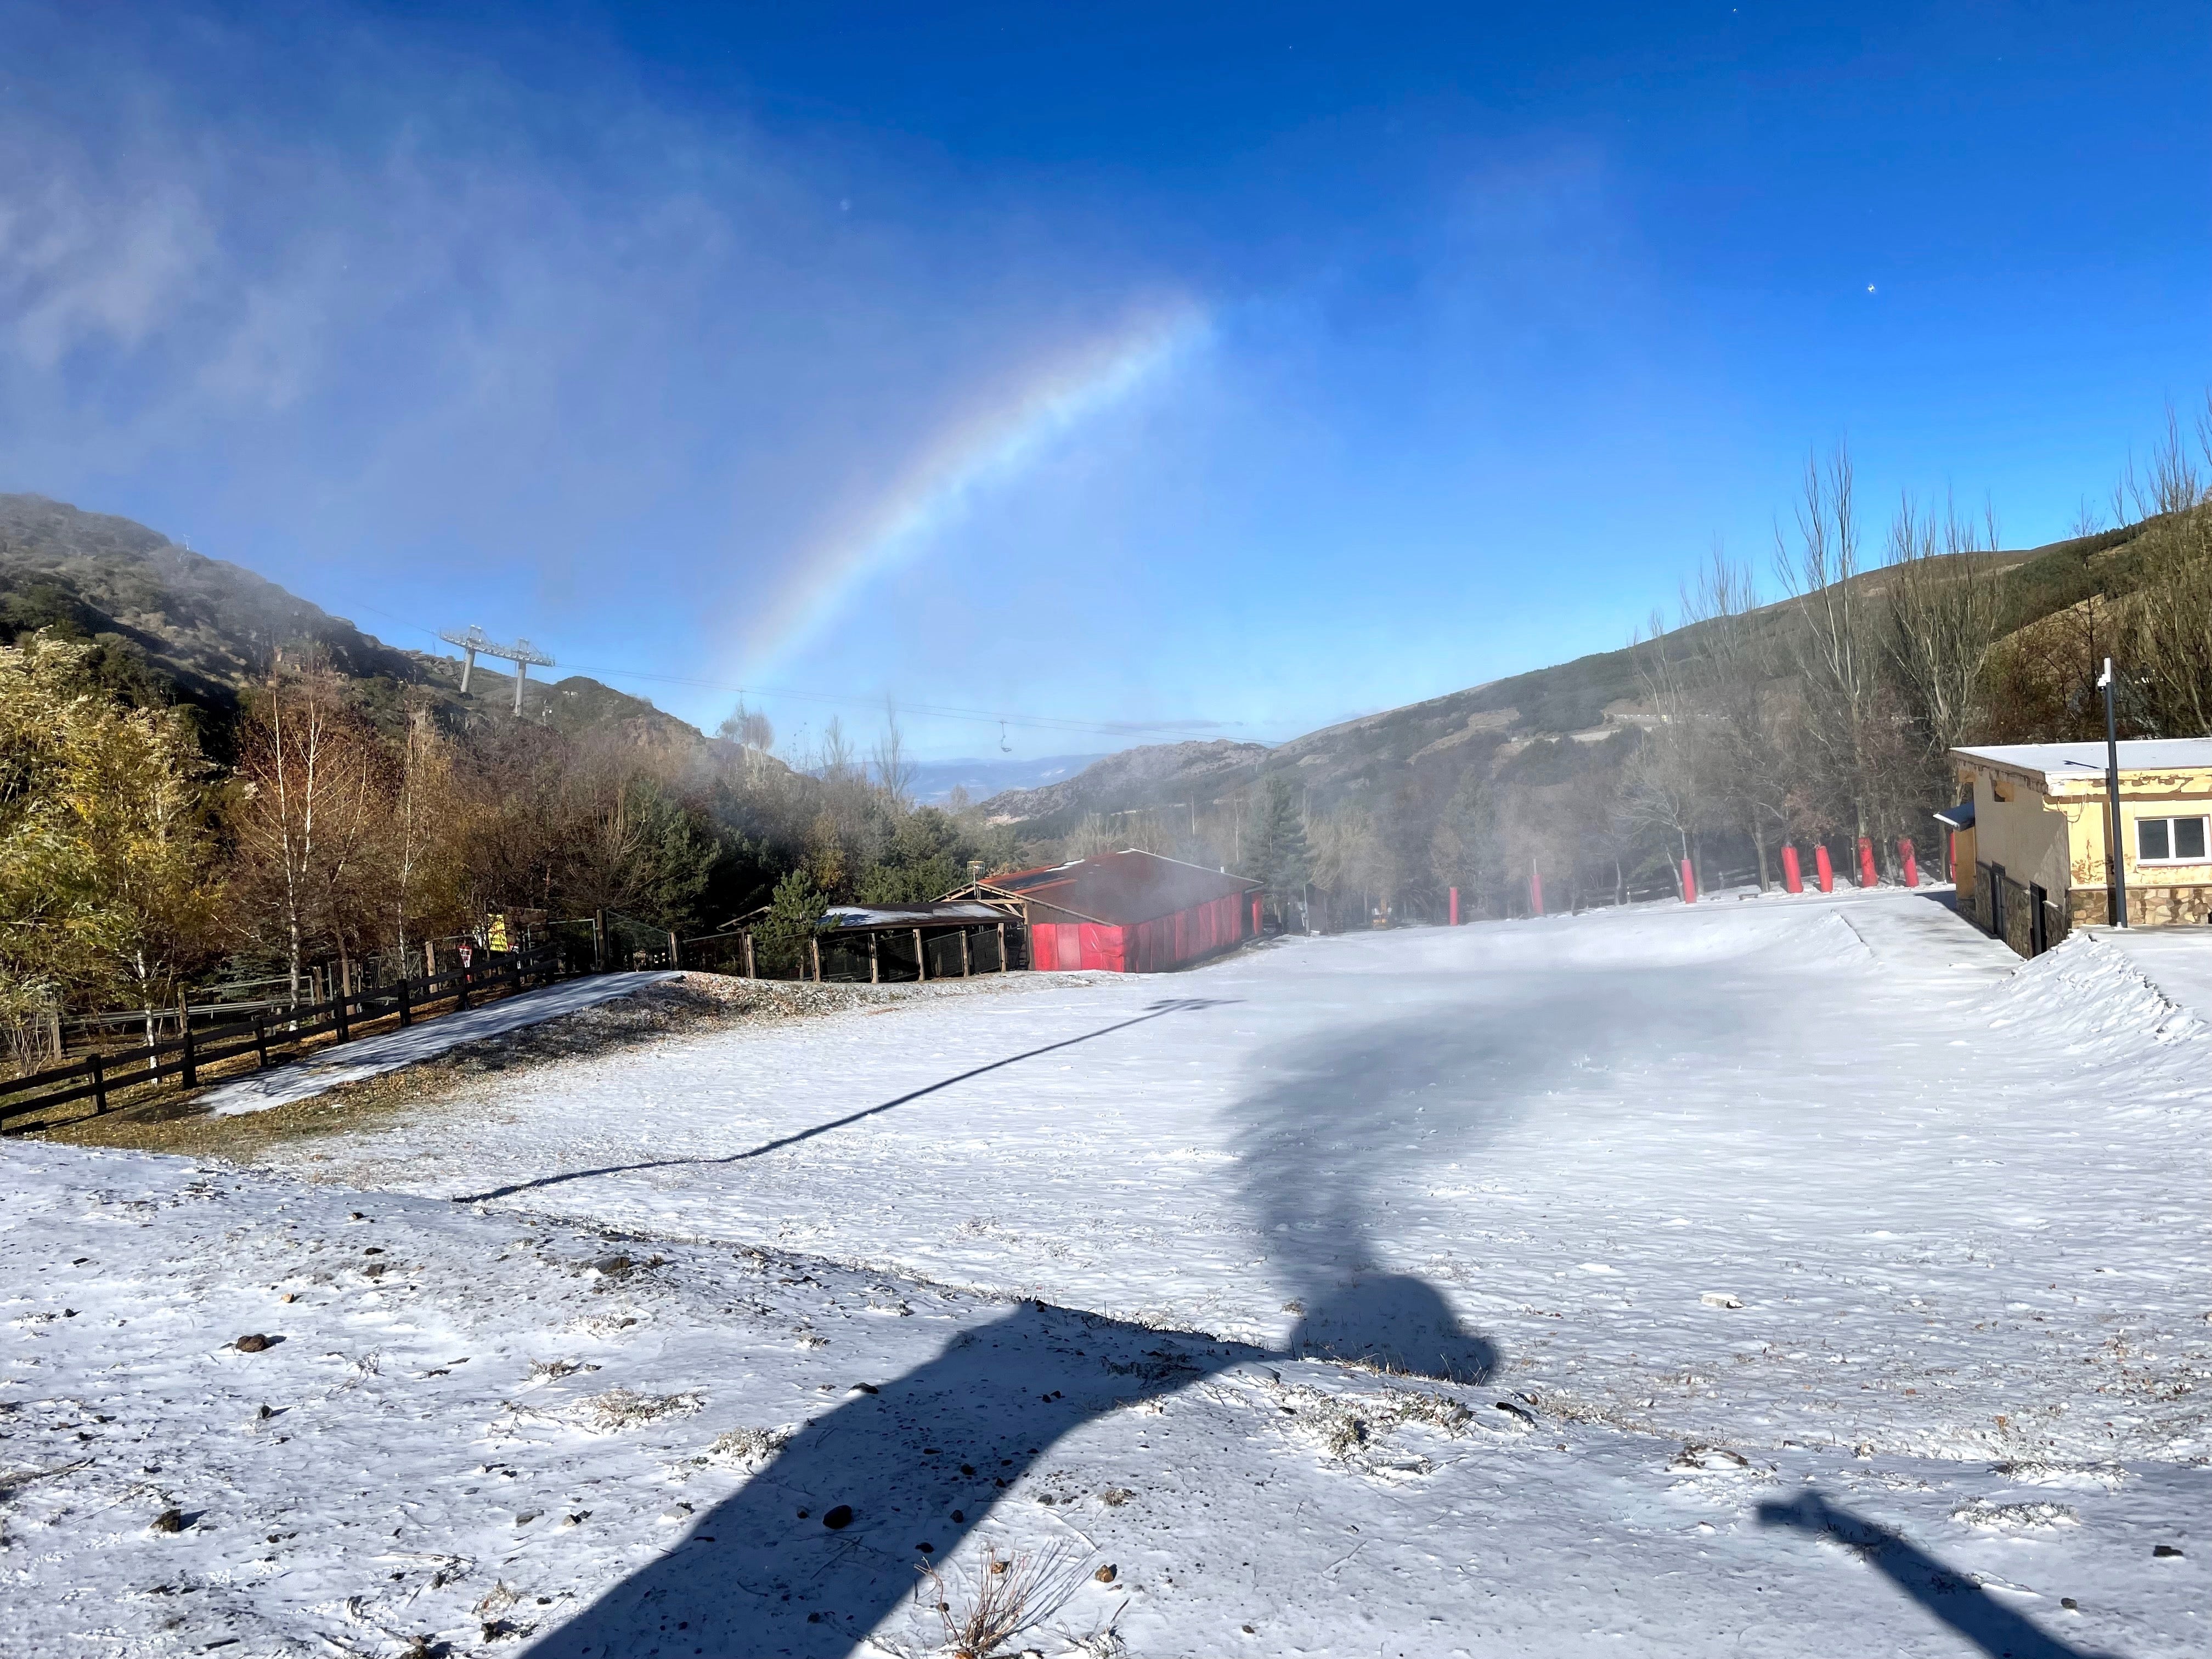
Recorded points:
(1961,816)
(1122,888)
(873,918)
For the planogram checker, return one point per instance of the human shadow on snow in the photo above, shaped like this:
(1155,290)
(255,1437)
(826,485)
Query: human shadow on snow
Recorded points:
(1330,1126)
(1949,1595)
(915,1466)
(1154,1010)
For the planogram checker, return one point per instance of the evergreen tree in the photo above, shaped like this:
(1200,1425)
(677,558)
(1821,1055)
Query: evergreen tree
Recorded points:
(1278,856)
(782,939)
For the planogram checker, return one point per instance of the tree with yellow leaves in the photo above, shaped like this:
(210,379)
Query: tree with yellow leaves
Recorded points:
(108,874)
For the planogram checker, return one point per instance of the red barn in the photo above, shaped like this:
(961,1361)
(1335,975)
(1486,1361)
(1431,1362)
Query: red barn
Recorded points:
(1130,913)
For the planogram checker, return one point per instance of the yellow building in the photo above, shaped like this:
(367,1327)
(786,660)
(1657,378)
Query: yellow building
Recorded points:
(2032,829)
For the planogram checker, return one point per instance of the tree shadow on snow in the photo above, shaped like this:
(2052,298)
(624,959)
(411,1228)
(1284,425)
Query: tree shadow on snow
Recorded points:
(817,1548)
(1155,1011)
(1950,1596)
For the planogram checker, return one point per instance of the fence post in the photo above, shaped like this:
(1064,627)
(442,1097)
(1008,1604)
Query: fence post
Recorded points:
(98,1064)
(920,955)
(675,950)
(814,950)
(750,971)
(338,1011)
(461,987)
(1002,947)
(406,1006)
(875,968)
(429,958)
(261,1042)
(189,1071)
(966,965)
(598,941)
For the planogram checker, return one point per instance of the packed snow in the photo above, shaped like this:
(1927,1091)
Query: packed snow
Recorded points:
(325,1069)
(1777,1276)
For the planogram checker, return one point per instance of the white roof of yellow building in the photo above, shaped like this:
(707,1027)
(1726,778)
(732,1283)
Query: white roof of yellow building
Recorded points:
(2060,763)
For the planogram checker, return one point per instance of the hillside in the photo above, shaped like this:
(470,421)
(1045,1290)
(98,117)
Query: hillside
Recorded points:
(1589,699)
(175,625)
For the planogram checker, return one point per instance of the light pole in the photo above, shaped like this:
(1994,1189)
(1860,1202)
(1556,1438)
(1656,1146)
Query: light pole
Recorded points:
(2115,846)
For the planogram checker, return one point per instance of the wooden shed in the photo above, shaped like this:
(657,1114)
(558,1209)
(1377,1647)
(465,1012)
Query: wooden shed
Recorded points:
(948,939)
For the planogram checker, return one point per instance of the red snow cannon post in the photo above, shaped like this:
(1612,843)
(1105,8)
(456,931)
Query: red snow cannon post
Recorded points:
(1793,878)
(1867,877)
(1905,856)
(1455,907)
(1823,870)
(1689,884)
(1536,891)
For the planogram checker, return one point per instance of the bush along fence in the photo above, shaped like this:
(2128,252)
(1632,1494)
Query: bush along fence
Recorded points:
(270,1036)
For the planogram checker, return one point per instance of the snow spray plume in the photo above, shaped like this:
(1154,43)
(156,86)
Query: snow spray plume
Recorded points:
(1342,1130)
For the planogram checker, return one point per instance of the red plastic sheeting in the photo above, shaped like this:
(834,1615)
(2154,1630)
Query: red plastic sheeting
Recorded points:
(1147,947)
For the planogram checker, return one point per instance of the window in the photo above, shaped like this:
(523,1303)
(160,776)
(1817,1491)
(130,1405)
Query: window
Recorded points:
(2169,841)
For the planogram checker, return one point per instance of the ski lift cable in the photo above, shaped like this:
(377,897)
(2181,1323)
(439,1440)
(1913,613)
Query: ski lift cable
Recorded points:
(1038,722)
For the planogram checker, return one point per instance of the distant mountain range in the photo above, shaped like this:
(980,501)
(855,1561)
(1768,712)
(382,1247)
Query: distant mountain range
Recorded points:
(935,781)
(1588,701)
(201,629)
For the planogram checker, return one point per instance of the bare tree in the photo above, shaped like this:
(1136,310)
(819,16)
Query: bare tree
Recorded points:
(316,785)
(1736,718)
(894,769)
(2170,619)
(1837,649)
(1665,786)
(1943,616)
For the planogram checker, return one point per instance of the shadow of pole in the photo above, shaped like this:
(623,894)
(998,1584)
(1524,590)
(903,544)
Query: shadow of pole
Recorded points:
(1157,1011)
(1952,1598)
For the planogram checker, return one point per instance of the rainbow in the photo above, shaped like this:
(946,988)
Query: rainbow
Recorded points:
(941,483)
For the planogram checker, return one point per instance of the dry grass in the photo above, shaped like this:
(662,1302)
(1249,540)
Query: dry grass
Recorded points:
(1010,1595)
(625,1408)
(744,1449)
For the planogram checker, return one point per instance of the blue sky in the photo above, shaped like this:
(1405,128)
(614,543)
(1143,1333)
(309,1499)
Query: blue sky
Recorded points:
(1129,371)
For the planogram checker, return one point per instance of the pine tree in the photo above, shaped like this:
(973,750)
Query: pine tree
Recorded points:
(792,913)
(1278,857)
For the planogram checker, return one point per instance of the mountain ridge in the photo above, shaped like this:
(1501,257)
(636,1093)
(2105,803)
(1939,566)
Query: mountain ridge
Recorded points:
(183,626)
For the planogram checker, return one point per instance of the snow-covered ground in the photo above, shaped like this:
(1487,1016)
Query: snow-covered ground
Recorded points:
(325,1069)
(1776,1277)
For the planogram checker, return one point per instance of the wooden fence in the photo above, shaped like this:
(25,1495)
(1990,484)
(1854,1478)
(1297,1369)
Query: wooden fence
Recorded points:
(179,1060)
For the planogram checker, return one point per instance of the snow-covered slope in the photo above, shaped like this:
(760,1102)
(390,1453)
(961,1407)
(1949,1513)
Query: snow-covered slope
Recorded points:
(1700,1241)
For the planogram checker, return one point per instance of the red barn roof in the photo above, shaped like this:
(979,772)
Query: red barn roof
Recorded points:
(1122,888)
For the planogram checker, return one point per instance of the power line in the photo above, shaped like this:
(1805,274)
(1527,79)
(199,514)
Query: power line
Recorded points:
(988,717)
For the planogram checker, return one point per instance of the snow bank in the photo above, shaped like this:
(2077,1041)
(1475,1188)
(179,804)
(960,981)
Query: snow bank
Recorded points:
(350,1063)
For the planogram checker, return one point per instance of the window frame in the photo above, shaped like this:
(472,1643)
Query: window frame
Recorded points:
(2169,820)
